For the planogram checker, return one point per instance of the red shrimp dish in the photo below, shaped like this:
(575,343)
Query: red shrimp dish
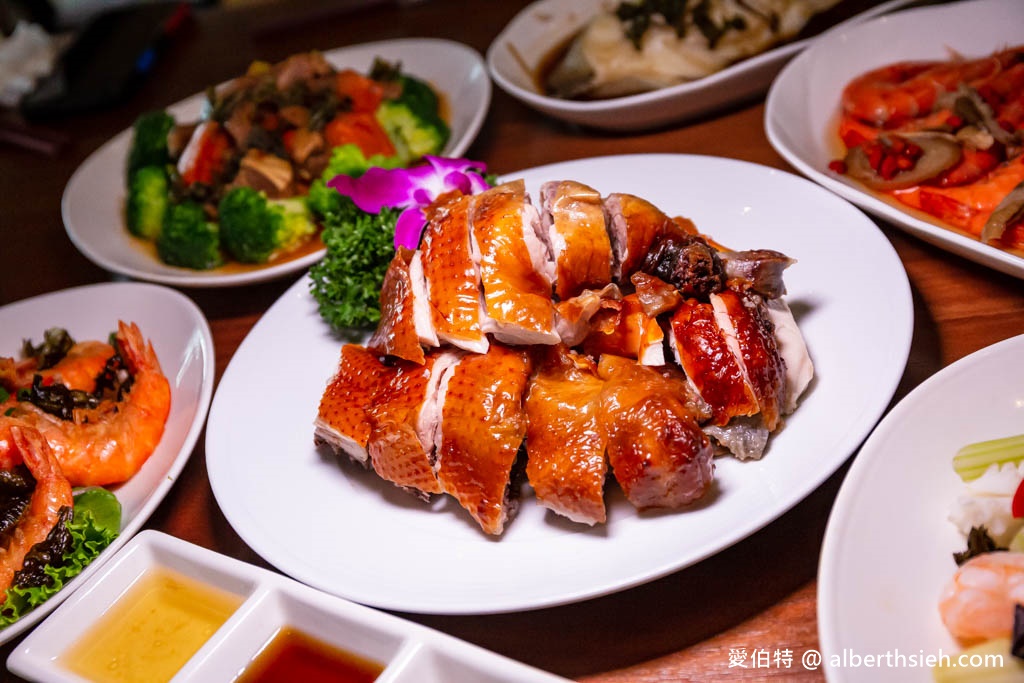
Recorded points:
(101,408)
(566,344)
(944,138)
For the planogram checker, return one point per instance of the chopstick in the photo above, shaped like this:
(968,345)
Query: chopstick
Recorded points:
(14,131)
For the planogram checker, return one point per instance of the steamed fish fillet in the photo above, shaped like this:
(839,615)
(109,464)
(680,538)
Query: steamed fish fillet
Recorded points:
(514,265)
(565,438)
(602,61)
(452,280)
(482,427)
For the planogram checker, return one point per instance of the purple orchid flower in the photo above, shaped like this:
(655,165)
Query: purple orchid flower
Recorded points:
(411,189)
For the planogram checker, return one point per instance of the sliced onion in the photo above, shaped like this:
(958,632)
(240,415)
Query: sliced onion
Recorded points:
(1009,210)
(941,152)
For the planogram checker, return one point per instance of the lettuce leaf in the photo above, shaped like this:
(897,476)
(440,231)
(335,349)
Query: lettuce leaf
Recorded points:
(94,526)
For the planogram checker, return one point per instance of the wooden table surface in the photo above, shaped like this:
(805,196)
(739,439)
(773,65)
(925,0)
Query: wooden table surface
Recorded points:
(759,594)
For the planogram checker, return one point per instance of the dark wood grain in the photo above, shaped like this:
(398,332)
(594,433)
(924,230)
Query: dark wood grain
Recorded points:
(759,594)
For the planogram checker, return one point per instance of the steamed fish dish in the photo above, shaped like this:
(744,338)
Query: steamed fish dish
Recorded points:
(651,44)
(570,342)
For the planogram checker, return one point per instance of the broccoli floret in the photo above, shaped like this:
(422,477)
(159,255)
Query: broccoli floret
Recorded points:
(188,239)
(412,134)
(420,97)
(149,141)
(349,160)
(346,283)
(147,201)
(254,229)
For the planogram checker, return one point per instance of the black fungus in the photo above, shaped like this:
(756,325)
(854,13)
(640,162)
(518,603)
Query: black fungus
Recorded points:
(49,552)
(1017,642)
(56,344)
(978,543)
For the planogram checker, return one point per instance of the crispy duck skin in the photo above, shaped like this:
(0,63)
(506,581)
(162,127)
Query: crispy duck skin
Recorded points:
(452,281)
(515,270)
(396,450)
(396,333)
(634,225)
(656,449)
(565,440)
(482,427)
(759,270)
(750,335)
(574,218)
(655,295)
(573,316)
(627,330)
(342,421)
(710,365)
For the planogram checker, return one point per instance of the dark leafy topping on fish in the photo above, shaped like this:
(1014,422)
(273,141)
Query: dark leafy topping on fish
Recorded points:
(637,18)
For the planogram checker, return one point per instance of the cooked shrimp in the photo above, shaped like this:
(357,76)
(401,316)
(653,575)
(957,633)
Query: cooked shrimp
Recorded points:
(109,443)
(893,94)
(51,494)
(968,207)
(80,367)
(77,370)
(978,603)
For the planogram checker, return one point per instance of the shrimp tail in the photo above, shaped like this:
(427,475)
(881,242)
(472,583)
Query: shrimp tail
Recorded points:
(51,495)
(138,354)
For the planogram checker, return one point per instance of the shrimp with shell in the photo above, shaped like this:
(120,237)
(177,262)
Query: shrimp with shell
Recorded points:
(51,496)
(107,440)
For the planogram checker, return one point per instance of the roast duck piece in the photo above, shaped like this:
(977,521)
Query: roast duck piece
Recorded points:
(560,343)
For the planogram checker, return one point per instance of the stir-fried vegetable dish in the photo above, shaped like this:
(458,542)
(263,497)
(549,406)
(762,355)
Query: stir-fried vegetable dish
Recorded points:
(235,185)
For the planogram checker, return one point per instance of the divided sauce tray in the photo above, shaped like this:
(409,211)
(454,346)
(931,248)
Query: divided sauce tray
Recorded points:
(269,602)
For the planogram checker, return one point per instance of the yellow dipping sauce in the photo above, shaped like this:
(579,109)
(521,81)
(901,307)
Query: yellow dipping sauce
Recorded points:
(152,630)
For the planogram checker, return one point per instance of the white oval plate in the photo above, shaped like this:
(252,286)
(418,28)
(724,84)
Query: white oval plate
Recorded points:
(182,340)
(888,548)
(519,50)
(803,102)
(350,533)
(92,206)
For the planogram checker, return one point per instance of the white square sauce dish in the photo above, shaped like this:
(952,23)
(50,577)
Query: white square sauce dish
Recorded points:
(164,609)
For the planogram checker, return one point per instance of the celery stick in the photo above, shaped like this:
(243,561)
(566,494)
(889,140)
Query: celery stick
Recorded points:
(972,460)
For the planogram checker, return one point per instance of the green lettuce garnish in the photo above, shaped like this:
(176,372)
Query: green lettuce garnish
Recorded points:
(94,526)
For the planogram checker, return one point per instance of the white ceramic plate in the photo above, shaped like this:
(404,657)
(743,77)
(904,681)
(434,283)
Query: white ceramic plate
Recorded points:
(803,102)
(408,652)
(93,200)
(350,533)
(519,51)
(889,546)
(181,338)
